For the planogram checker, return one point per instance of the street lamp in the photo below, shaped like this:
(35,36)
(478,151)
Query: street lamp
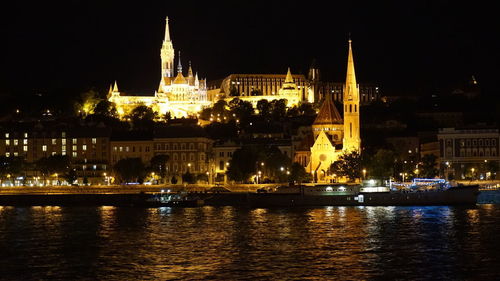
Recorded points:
(258,177)
(364,173)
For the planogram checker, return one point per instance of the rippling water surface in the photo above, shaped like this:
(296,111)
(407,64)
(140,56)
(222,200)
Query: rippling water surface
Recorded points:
(228,243)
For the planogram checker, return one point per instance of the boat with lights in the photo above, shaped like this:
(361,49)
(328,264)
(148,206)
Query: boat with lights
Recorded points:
(166,198)
(369,193)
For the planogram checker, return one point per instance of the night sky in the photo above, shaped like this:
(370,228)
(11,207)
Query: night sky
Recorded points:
(408,47)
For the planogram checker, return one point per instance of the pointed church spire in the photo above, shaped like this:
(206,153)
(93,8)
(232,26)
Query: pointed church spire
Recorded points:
(350,81)
(167,31)
(110,88)
(115,88)
(179,66)
(289,78)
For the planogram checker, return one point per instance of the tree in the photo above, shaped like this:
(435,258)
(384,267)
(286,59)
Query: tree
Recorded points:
(428,166)
(218,130)
(381,165)
(129,170)
(298,174)
(249,160)
(173,180)
(264,108)
(70,176)
(307,109)
(187,177)
(12,166)
(219,110)
(106,108)
(87,102)
(158,165)
(275,164)
(53,164)
(206,113)
(242,164)
(492,168)
(348,165)
(240,109)
(142,117)
(278,109)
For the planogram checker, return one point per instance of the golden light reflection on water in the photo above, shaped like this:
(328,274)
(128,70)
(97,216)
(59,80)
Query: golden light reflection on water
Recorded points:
(473,216)
(227,243)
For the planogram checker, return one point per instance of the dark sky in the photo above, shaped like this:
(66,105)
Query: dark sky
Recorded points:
(408,47)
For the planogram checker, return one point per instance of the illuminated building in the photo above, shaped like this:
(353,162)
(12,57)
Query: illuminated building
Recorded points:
(255,87)
(87,147)
(461,150)
(332,135)
(187,148)
(180,95)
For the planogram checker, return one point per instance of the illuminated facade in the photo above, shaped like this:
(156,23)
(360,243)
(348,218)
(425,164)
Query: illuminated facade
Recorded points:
(332,135)
(255,87)
(180,95)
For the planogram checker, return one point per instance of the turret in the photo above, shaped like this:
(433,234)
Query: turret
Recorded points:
(167,54)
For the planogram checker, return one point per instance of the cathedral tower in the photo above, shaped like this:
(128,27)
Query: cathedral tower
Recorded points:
(352,140)
(167,55)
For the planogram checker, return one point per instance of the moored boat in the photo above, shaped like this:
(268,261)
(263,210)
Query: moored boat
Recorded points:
(366,195)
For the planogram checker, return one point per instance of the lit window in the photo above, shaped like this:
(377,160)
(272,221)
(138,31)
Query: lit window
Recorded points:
(7,142)
(74,154)
(16,154)
(63,148)
(74,141)
(44,147)
(25,141)
(94,167)
(63,153)
(84,147)
(25,148)
(94,140)
(63,141)
(7,154)
(54,141)
(6,135)
(16,142)
(115,148)
(25,135)
(126,148)
(74,147)
(63,134)
(53,153)
(121,148)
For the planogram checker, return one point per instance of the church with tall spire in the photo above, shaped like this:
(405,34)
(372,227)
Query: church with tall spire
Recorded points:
(179,95)
(334,135)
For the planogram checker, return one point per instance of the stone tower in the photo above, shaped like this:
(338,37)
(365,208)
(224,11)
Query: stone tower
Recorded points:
(167,55)
(352,140)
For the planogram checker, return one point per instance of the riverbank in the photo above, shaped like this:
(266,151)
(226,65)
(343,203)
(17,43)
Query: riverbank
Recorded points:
(125,189)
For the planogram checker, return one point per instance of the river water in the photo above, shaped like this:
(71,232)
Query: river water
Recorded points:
(230,243)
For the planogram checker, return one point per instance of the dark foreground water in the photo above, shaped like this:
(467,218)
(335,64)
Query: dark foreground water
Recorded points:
(227,243)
